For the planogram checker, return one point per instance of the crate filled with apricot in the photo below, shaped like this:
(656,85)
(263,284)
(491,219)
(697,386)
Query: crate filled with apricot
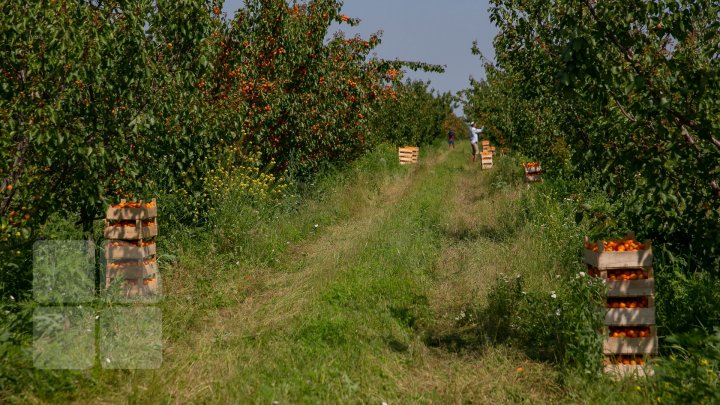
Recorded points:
(628,311)
(146,286)
(626,282)
(618,253)
(130,230)
(532,167)
(132,210)
(631,340)
(628,366)
(130,249)
(132,268)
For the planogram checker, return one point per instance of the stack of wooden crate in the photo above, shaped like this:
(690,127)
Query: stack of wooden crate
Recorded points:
(630,333)
(486,160)
(486,155)
(533,172)
(486,146)
(130,232)
(408,154)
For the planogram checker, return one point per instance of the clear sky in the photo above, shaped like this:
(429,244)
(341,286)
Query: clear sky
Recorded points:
(434,31)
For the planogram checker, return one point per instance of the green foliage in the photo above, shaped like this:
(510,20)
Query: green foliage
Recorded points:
(619,103)
(418,116)
(691,373)
(557,326)
(623,96)
(107,99)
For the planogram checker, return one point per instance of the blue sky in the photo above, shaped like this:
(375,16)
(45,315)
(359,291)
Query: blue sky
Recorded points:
(433,31)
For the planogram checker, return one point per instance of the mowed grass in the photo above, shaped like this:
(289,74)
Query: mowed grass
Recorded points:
(367,306)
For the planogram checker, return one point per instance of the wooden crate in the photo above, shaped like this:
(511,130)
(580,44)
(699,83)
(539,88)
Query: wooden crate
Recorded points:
(628,346)
(140,270)
(485,143)
(486,160)
(532,169)
(648,272)
(618,260)
(129,251)
(629,316)
(137,287)
(137,232)
(408,154)
(634,288)
(126,213)
(533,178)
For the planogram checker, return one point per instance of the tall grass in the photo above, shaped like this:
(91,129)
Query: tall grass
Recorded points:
(430,283)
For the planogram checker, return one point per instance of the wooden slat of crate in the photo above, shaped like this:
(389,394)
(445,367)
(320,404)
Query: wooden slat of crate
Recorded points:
(644,345)
(622,370)
(618,260)
(530,178)
(485,142)
(132,272)
(132,213)
(136,232)
(603,273)
(137,287)
(129,251)
(634,288)
(629,316)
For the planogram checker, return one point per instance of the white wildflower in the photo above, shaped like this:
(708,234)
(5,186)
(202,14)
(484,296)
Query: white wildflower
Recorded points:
(553,294)
(558,312)
(581,274)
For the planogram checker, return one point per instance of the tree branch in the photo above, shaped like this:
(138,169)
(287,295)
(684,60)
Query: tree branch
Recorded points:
(715,141)
(625,113)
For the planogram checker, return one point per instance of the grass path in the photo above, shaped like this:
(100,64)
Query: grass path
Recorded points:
(364,310)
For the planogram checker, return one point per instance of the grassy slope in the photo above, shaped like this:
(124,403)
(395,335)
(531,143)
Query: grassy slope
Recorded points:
(361,308)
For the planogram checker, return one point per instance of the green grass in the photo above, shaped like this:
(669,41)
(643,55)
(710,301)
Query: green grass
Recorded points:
(374,304)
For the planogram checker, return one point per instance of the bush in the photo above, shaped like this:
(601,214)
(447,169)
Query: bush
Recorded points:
(692,373)
(557,326)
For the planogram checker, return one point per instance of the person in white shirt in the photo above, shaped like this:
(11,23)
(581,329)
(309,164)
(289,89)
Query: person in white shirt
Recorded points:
(474,139)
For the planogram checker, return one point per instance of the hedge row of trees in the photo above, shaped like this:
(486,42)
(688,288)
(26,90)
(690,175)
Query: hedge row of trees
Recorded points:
(136,98)
(621,103)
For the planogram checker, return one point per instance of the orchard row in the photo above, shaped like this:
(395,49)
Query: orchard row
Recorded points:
(101,100)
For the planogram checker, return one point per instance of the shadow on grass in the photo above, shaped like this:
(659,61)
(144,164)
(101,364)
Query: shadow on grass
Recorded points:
(467,234)
(456,340)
